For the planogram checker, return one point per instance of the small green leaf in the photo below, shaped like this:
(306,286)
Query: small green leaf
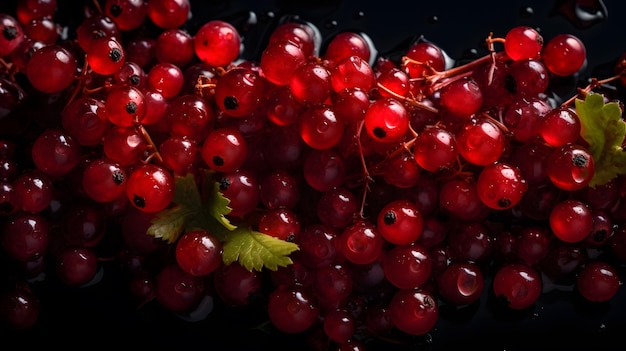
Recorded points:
(205,207)
(186,191)
(170,223)
(255,250)
(604,130)
(216,204)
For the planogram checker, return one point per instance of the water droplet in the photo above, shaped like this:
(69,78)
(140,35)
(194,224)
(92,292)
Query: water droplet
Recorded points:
(526,12)
(359,15)
(582,13)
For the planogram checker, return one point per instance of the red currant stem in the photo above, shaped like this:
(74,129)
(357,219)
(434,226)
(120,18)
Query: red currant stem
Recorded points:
(9,68)
(592,85)
(406,60)
(202,83)
(79,86)
(405,146)
(459,70)
(410,101)
(96,3)
(498,123)
(490,40)
(155,151)
(367,179)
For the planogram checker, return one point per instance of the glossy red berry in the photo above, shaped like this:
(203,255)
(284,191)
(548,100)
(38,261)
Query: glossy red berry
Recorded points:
(217,43)
(198,252)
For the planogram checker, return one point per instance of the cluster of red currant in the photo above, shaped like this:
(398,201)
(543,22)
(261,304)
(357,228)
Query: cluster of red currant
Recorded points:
(404,184)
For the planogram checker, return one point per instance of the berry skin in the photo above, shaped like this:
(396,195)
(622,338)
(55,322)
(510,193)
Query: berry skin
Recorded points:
(224,150)
(571,220)
(523,42)
(150,188)
(564,54)
(518,285)
(413,311)
(51,69)
(407,266)
(104,180)
(239,92)
(570,167)
(461,283)
(106,55)
(292,309)
(387,120)
(598,281)
(217,43)
(500,186)
(198,252)
(462,97)
(400,222)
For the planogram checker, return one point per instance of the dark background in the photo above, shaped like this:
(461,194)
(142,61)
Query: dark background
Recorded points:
(103,315)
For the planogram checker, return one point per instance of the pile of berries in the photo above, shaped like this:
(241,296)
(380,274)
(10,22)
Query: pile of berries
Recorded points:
(402,185)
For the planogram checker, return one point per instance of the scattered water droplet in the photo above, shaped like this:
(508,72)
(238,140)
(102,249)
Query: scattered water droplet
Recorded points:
(582,13)
(526,12)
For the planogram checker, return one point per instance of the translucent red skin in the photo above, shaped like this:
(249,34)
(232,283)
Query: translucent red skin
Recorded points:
(198,252)
(598,281)
(518,285)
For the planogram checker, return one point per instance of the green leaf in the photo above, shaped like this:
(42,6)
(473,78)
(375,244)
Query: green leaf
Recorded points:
(216,204)
(170,223)
(255,250)
(604,130)
(205,207)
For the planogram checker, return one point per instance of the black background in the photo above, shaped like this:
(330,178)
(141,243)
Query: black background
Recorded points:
(104,316)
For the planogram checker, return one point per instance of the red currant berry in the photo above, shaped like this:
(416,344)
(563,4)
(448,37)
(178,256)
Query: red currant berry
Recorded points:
(500,186)
(217,43)
(413,311)
(400,222)
(571,220)
(598,281)
(150,188)
(523,42)
(517,285)
(564,54)
(198,252)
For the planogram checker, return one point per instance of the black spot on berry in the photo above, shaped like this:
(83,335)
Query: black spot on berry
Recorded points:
(379,133)
(290,238)
(115,10)
(504,202)
(231,103)
(115,55)
(224,183)
(131,107)
(134,80)
(390,217)
(218,161)
(118,177)
(139,201)
(580,161)
(9,33)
